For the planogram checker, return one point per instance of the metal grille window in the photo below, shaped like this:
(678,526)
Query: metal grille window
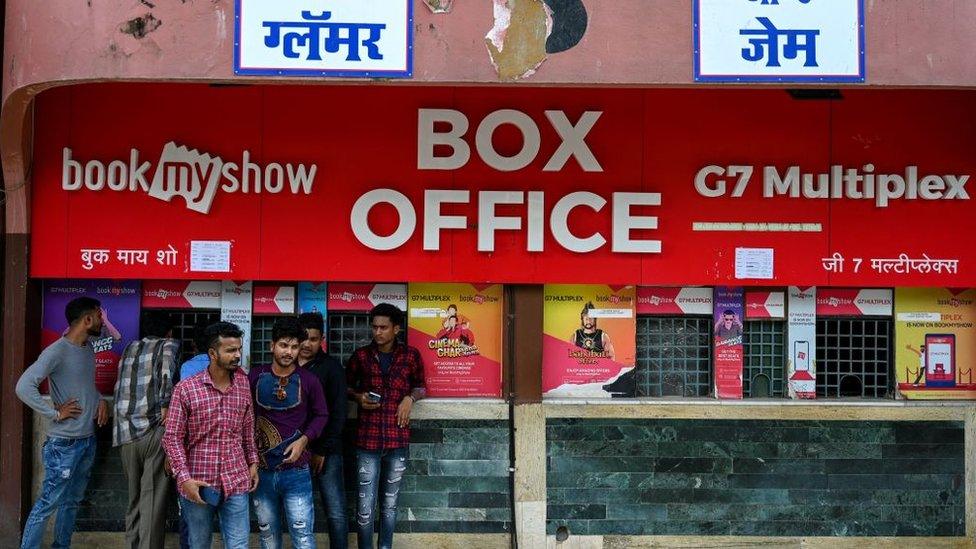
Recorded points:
(764,344)
(674,356)
(350,331)
(184,322)
(261,339)
(853,357)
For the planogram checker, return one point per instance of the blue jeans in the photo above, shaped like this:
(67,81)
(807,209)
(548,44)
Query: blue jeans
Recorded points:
(235,524)
(67,468)
(291,490)
(379,468)
(332,488)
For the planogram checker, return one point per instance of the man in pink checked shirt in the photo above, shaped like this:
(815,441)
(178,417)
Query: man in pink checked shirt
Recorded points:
(210,441)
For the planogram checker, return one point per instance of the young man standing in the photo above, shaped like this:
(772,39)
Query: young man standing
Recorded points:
(210,442)
(290,411)
(69,451)
(142,395)
(326,459)
(385,378)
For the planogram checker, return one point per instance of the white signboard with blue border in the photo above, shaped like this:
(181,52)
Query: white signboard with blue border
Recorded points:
(341,38)
(779,40)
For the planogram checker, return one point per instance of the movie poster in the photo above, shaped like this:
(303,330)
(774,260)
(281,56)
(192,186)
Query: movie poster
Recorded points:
(728,347)
(458,330)
(935,342)
(120,321)
(589,341)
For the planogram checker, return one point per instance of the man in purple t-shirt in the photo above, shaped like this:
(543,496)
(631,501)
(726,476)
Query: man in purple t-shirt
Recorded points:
(290,410)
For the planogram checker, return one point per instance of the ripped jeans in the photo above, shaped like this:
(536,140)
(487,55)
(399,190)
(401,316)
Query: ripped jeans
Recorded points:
(67,468)
(375,469)
(291,490)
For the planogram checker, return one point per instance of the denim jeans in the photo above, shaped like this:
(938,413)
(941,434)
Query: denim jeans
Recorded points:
(67,468)
(235,524)
(332,488)
(289,490)
(379,468)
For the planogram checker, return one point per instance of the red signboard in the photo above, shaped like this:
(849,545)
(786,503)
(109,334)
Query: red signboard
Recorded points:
(609,186)
(181,294)
(274,300)
(765,305)
(851,302)
(344,296)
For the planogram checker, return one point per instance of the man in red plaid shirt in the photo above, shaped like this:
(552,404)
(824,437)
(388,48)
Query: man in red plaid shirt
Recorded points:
(210,441)
(385,379)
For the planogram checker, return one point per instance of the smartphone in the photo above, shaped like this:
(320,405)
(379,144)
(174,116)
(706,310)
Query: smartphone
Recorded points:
(940,360)
(373,397)
(212,496)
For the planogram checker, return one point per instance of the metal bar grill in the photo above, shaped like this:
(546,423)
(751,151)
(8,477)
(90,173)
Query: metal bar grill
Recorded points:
(764,343)
(853,357)
(674,356)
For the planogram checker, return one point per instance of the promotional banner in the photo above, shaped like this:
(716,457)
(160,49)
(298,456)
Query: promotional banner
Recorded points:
(589,344)
(120,321)
(361,298)
(853,302)
(801,329)
(935,343)
(673,301)
(458,330)
(313,297)
(236,305)
(760,305)
(274,300)
(728,342)
(181,294)
(547,186)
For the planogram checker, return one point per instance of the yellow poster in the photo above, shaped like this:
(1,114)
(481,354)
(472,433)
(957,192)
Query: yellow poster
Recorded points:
(935,343)
(458,330)
(589,340)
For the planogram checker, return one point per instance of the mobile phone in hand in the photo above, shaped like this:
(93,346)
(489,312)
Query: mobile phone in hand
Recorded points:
(373,397)
(212,496)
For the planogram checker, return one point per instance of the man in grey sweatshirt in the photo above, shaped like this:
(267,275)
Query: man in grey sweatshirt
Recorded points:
(69,366)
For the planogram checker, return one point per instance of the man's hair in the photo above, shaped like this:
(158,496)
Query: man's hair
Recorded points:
(221,329)
(79,307)
(452,306)
(312,321)
(288,328)
(200,340)
(156,324)
(454,317)
(389,311)
(728,312)
(587,308)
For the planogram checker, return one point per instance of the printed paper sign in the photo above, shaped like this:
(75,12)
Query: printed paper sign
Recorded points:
(236,305)
(674,301)
(779,41)
(728,342)
(853,302)
(181,294)
(210,256)
(462,343)
(586,351)
(754,263)
(313,297)
(120,321)
(801,366)
(352,297)
(935,343)
(765,305)
(324,38)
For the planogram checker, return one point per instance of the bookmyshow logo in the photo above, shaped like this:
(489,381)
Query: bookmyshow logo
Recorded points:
(187,173)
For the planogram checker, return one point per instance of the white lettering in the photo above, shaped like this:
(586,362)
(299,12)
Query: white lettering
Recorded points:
(624,223)
(427,139)
(434,221)
(559,222)
(359,219)
(531,140)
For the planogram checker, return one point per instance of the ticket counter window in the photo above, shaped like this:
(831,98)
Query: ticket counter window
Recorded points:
(349,331)
(674,356)
(854,357)
(184,323)
(261,339)
(764,343)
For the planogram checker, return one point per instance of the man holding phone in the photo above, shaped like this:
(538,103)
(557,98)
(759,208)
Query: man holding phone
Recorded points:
(210,443)
(385,379)
(290,411)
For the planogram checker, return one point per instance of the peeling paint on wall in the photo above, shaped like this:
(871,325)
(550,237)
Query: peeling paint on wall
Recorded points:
(439,6)
(141,26)
(517,42)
